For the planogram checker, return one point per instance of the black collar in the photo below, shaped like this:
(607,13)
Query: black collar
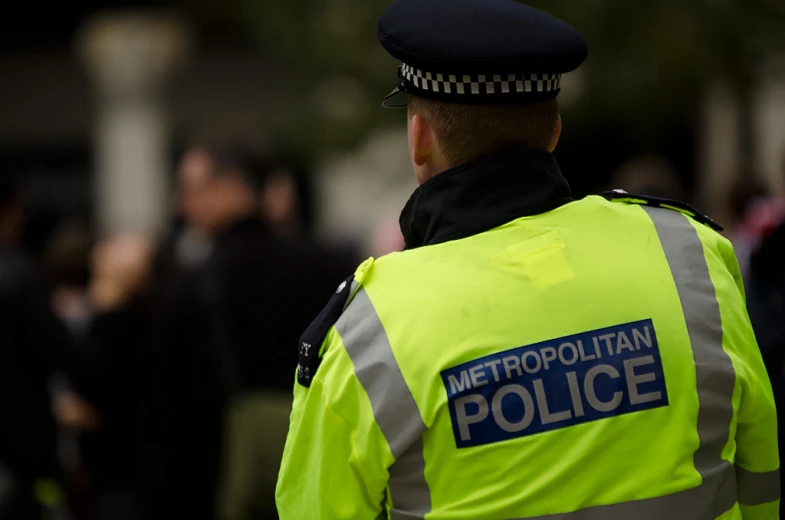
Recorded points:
(483,194)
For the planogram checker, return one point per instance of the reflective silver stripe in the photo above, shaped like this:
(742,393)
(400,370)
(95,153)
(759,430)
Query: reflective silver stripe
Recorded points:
(715,380)
(714,374)
(757,488)
(393,405)
(699,503)
(377,370)
(410,493)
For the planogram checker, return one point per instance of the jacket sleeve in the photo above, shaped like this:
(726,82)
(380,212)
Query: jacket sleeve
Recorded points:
(757,454)
(336,458)
(757,457)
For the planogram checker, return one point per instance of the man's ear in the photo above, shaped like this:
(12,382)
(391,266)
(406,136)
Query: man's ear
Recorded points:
(421,138)
(556,134)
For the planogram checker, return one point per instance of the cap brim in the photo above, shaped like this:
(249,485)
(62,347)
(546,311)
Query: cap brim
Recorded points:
(396,99)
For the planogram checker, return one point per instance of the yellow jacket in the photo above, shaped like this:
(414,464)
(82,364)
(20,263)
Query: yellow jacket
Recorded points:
(586,359)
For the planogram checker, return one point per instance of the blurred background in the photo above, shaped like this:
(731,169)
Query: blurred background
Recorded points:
(185,182)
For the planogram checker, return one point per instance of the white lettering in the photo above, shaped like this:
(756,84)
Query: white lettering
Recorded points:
(498,411)
(563,358)
(623,343)
(548,354)
(477,374)
(512,363)
(597,350)
(537,359)
(591,395)
(640,338)
(587,357)
(575,393)
(459,386)
(492,365)
(634,380)
(607,339)
(464,420)
(542,404)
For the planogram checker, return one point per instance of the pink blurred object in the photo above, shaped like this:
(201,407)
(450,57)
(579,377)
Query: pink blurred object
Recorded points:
(764,216)
(387,238)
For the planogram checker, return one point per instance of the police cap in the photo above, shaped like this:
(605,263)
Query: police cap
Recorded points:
(477,51)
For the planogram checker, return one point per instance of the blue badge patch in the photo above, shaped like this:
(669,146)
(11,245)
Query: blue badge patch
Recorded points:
(556,384)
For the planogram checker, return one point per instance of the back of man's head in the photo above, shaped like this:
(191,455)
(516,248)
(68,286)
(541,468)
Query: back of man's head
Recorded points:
(466,132)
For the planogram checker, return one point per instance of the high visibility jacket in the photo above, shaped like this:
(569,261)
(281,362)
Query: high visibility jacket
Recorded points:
(531,357)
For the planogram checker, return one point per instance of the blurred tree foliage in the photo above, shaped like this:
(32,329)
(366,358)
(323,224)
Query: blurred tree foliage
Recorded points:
(649,61)
(339,73)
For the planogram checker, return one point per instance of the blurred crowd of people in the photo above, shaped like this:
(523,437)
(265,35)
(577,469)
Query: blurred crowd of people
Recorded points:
(142,380)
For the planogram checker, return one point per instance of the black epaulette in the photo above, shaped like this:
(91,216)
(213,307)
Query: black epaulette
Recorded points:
(658,202)
(308,358)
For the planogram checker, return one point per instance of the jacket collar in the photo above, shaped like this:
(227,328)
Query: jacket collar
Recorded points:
(481,195)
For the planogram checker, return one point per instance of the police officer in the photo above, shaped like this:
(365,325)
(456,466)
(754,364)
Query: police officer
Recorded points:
(528,356)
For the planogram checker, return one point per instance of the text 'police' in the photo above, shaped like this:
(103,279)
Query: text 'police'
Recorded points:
(556,384)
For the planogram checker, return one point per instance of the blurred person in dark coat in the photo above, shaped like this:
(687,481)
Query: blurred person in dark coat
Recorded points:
(264,280)
(114,345)
(226,339)
(113,409)
(66,263)
(766,306)
(35,344)
(67,266)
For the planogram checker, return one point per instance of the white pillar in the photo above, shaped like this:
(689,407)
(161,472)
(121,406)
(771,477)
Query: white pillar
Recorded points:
(129,57)
(361,194)
(769,121)
(720,153)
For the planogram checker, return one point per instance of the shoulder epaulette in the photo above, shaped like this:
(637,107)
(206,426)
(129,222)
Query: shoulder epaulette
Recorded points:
(658,202)
(309,354)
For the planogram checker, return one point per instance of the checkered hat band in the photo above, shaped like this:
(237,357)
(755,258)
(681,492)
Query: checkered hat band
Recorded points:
(476,84)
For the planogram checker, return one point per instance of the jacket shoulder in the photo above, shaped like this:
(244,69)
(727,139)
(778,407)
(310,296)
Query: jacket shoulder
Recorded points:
(309,350)
(659,202)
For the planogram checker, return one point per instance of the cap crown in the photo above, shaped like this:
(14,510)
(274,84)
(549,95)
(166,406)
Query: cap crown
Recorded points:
(474,36)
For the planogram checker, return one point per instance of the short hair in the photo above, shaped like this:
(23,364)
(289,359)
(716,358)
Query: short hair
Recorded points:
(466,132)
(229,158)
(241,162)
(67,255)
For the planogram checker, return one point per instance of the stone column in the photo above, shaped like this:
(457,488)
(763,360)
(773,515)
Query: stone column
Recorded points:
(720,154)
(361,194)
(769,120)
(130,57)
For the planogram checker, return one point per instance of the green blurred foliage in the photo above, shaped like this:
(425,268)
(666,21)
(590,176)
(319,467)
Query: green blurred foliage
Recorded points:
(649,62)
(338,71)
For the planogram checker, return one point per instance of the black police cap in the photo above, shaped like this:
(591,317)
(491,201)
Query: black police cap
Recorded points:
(477,51)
